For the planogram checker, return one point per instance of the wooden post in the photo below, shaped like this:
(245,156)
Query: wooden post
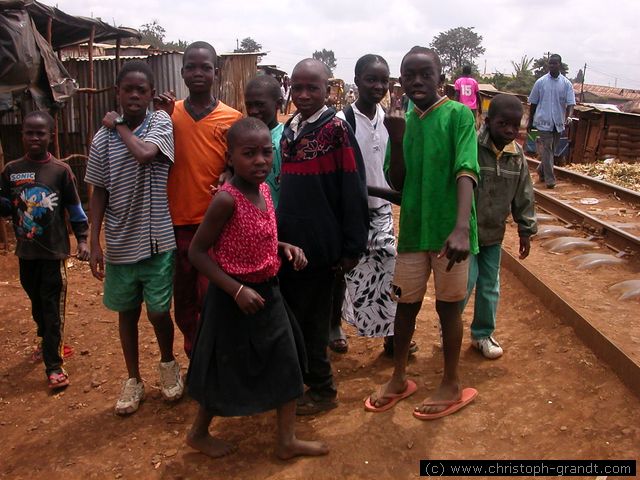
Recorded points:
(56,140)
(90,97)
(118,43)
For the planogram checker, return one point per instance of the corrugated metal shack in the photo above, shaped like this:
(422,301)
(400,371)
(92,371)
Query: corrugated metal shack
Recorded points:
(600,133)
(234,72)
(76,137)
(60,31)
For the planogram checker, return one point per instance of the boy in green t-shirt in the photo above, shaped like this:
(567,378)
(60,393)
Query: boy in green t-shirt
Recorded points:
(433,161)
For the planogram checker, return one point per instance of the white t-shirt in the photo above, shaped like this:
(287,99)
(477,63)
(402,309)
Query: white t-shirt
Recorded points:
(372,138)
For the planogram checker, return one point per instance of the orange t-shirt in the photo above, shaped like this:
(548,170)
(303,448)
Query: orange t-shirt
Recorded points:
(199,160)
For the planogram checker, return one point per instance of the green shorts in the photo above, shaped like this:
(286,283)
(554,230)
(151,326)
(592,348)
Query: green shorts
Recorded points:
(151,279)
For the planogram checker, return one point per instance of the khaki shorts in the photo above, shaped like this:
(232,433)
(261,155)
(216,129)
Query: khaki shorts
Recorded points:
(412,273)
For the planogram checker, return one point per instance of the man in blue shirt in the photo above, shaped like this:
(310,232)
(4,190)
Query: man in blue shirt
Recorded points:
(552,100)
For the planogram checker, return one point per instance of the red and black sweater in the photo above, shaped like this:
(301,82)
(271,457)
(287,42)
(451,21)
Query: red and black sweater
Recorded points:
(323,193)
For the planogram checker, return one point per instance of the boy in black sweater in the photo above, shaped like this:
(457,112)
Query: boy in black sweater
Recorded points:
(323,209)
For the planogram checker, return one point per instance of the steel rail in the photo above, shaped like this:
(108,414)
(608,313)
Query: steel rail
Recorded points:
(607,188)
(606,350)
(614,237)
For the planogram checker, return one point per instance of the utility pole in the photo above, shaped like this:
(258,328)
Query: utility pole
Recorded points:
(237,45)
(584,74)
(485,68)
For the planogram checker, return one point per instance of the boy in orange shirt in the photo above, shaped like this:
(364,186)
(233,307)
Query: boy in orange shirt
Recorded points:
(200,124)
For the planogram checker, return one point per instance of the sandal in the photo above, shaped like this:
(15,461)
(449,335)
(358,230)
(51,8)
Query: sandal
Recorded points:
(388,346)
(338,340)
(58,379)
(36,355)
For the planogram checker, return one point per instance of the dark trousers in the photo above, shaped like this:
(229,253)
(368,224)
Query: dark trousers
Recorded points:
(339,290)
(189,288)
(309,295)
(45,282)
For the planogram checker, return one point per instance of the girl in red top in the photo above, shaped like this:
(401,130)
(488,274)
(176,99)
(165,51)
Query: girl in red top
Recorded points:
(247,351)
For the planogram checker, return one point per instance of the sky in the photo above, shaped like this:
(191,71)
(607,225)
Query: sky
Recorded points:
(599,34)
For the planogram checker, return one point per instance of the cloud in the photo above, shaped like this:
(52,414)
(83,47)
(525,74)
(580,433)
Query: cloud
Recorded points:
(590,31)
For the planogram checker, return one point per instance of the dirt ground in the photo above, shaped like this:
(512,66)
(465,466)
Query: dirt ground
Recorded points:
(548,397)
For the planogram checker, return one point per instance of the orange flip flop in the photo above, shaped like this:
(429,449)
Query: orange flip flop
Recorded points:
(392,397)
(468,395)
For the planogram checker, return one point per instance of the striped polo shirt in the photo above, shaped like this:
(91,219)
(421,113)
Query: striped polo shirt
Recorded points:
(137,220)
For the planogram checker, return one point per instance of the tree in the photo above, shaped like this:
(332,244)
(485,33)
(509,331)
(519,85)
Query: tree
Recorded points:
(457,46)
(152,34)
(541,67)
(248,45)
(180,45)
(327,57)
(523,78)
(579,77)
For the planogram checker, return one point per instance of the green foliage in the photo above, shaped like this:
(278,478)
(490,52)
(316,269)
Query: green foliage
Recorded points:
(180,45)
(541,67)
(248,45)
(520,82)
(457,47)
(327,57)
(579,77)
(152,34)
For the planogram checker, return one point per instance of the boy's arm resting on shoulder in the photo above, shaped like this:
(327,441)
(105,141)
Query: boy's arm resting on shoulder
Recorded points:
(97,206)
(523,209)
(395,168)
(216,217)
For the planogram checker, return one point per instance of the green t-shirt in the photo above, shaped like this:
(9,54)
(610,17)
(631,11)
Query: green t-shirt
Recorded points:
(438,148)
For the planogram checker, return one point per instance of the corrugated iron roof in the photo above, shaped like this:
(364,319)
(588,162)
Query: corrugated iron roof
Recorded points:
(608,92)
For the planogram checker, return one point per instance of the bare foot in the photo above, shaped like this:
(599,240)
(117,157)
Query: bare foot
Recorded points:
(446,394)
(380,399)
(299,448)
(210,446)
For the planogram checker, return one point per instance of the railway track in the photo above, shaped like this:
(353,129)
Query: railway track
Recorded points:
(584,320)
(621,193)
(613,236)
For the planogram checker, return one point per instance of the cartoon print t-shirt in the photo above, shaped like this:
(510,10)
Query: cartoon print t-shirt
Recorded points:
(39,192)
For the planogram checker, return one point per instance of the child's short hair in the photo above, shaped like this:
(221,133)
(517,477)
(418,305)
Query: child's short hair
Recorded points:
(42,115)
(242,126)
(200,45)
(307,61)
(426,51)
(270,84)
(466,69)
(366,60)
(135,66)
(502,102)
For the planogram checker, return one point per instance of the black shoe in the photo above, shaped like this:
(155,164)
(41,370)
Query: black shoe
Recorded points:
(311,404)
(389,349)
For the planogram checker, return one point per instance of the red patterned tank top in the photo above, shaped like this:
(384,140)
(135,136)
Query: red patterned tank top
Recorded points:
(247,248)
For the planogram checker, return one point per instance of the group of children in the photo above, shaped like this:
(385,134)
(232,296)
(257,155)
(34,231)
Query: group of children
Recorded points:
(299,227)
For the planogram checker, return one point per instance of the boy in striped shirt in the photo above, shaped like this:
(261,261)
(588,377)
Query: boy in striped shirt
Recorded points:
(128,166)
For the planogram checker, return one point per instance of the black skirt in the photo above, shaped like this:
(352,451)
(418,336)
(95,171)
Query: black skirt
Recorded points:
(246,364)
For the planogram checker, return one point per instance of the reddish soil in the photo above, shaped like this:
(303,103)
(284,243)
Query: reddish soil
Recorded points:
(547,397)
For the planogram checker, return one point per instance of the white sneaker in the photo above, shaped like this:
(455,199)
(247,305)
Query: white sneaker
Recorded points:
(488,346)
(171,383)
(130,397)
